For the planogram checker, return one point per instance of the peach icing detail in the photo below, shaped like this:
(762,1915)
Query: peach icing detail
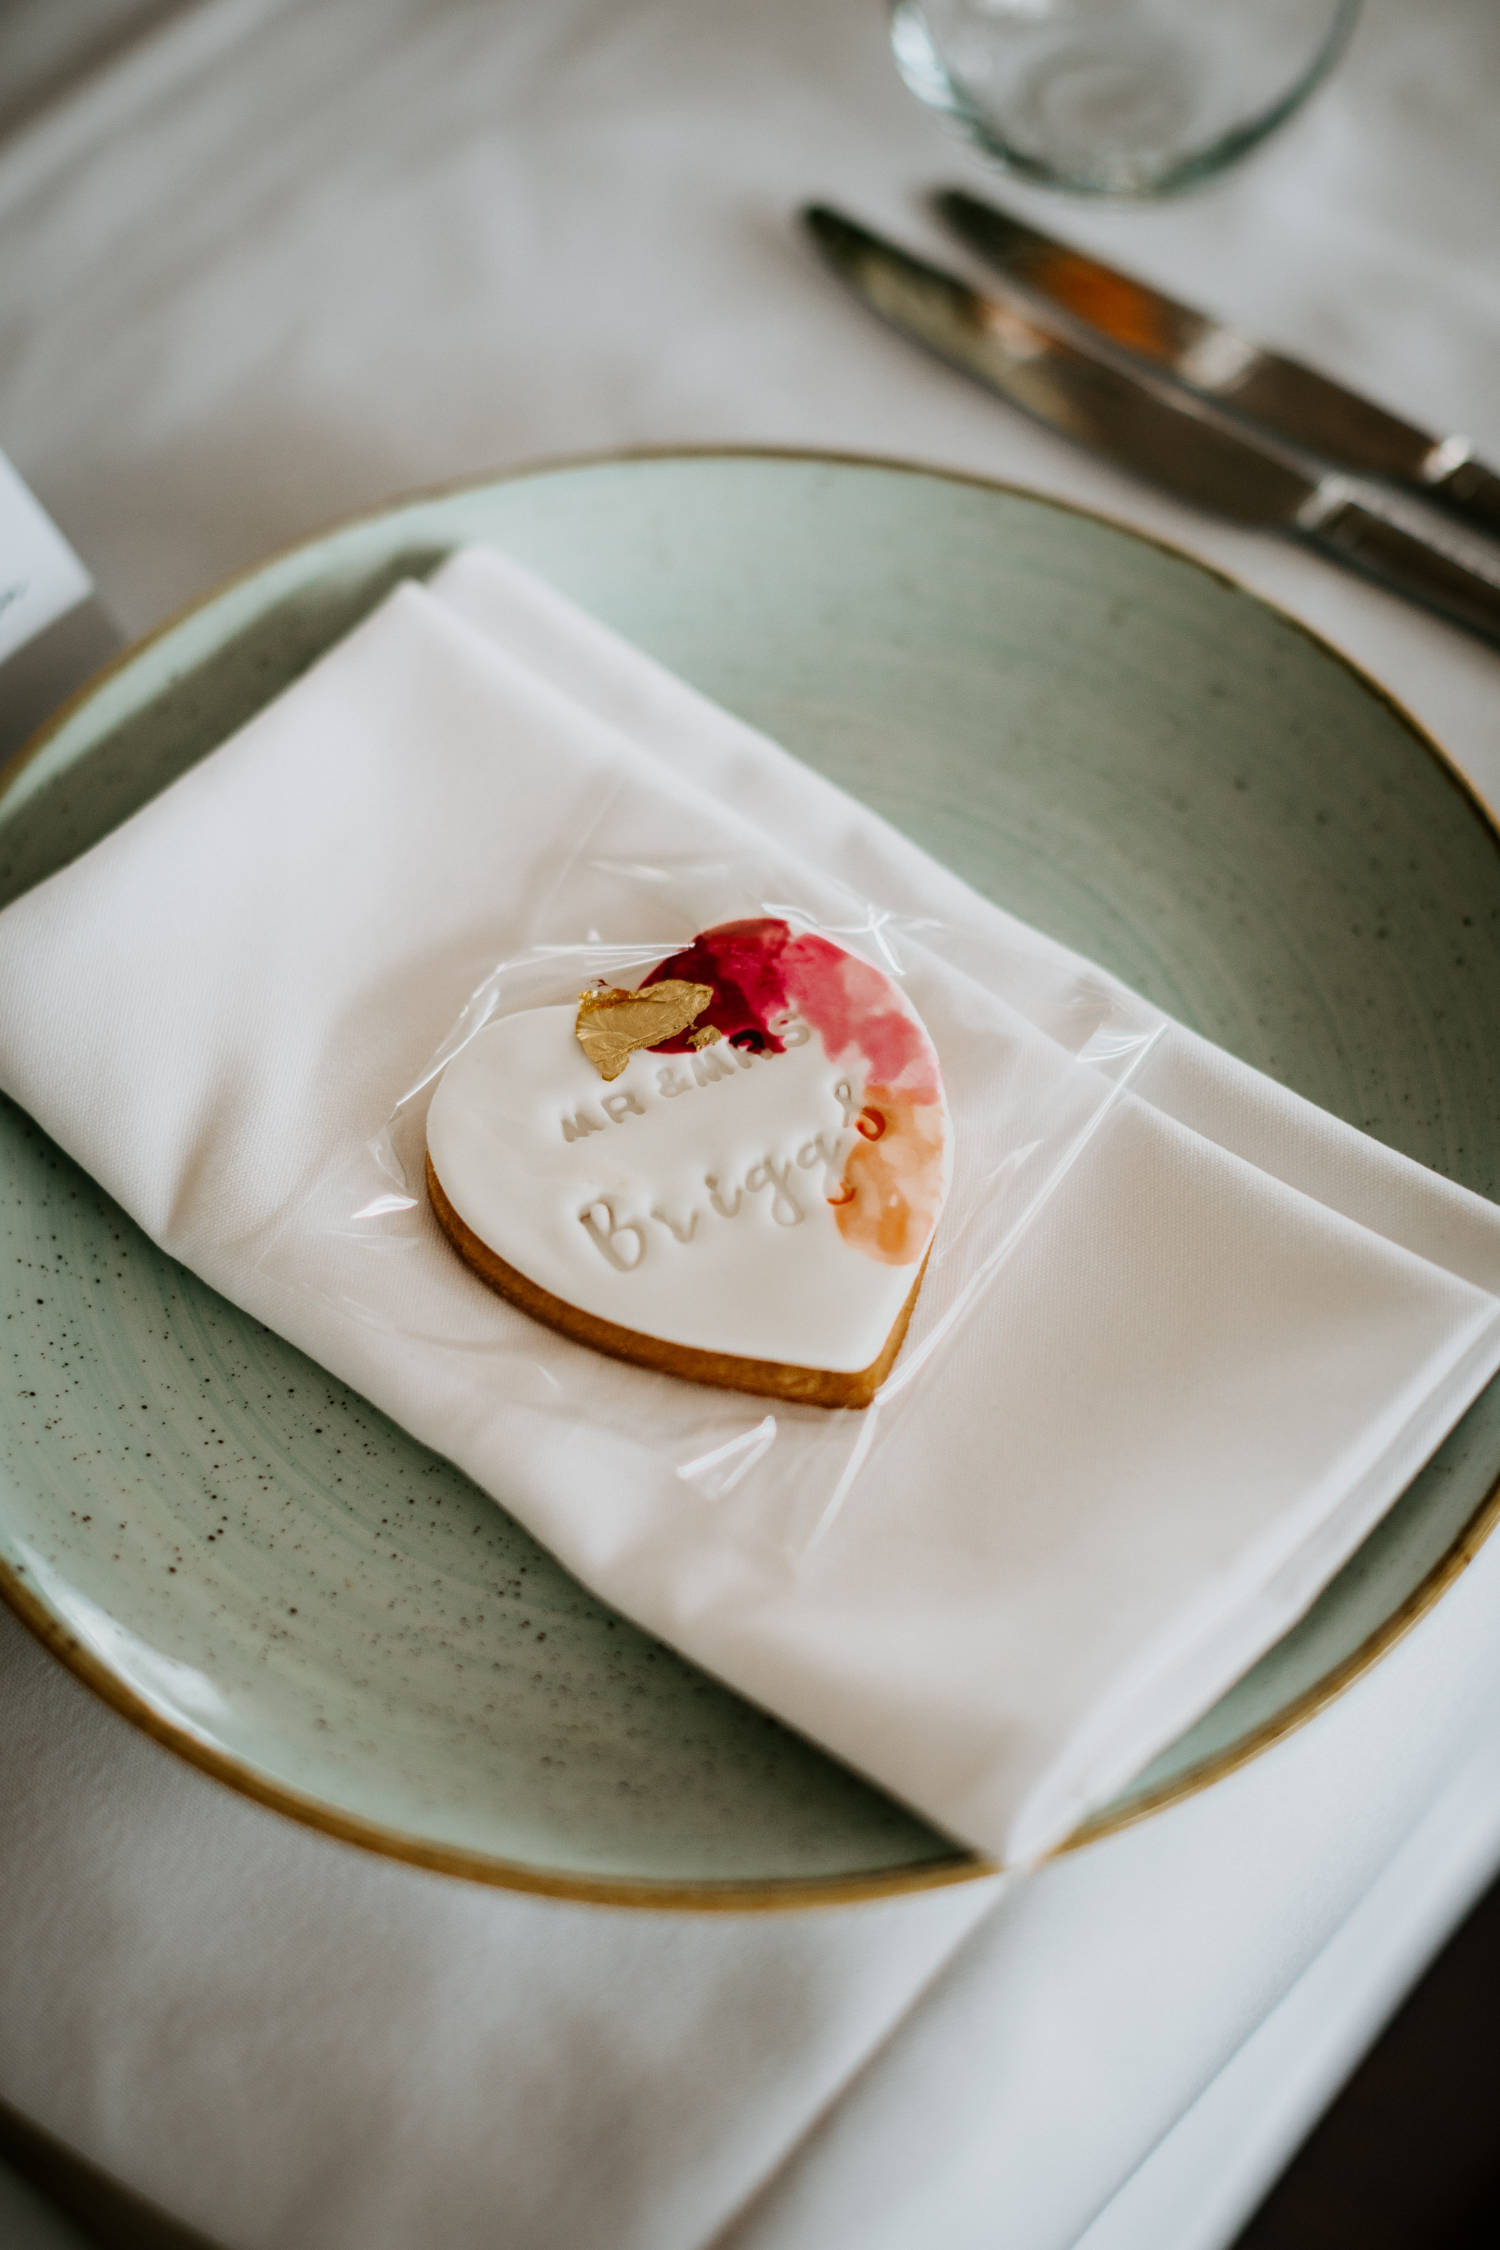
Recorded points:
(892,1190)
(895,1175)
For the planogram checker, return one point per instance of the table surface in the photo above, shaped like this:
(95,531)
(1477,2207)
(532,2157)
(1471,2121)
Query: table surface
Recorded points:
(267,264)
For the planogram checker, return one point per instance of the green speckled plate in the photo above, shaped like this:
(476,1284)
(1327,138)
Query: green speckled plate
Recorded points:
(1138,757)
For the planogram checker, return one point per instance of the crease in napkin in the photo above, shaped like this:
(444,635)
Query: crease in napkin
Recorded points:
(1214,1356)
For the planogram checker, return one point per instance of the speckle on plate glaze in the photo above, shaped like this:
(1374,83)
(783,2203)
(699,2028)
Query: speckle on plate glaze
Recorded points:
(1126,751)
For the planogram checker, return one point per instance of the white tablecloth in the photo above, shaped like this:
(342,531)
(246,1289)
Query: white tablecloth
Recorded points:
(286,257)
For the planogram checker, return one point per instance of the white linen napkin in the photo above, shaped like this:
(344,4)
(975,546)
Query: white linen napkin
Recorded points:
(1211,1361)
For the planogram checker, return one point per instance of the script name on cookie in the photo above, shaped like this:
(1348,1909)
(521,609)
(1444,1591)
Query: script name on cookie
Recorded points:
(786,1182)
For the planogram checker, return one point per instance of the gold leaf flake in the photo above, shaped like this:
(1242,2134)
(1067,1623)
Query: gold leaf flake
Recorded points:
(705,1037)
(613,1023)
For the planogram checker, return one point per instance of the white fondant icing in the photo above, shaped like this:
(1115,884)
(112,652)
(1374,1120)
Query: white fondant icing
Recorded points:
(687,1200)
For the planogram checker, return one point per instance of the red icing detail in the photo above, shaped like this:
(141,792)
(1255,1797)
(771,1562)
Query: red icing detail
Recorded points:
(871,1123)
(846,1193)
(743,961)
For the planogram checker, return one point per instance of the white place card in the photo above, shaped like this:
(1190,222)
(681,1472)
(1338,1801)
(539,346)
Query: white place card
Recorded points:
(53,631)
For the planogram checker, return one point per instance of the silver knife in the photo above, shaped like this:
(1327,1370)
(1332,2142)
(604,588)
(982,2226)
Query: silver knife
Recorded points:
(1184,445)
(1292,401)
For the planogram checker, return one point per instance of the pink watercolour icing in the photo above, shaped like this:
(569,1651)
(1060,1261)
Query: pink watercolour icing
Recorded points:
(895,1176)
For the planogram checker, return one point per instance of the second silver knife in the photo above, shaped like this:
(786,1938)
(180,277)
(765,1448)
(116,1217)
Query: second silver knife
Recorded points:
(1289,400)
(1186,447)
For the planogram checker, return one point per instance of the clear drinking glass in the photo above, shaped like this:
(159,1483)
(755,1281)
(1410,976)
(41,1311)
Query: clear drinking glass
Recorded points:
(1118,97)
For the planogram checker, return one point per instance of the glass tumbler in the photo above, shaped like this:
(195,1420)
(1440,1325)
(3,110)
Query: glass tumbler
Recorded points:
(1118,97)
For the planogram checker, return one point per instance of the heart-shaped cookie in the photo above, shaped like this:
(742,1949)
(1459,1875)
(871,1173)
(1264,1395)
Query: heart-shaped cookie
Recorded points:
(749,1201)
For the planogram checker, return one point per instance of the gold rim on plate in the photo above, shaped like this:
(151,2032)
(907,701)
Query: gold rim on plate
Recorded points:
(786,1892)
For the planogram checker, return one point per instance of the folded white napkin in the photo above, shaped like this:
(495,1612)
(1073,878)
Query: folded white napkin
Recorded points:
(1216,1353)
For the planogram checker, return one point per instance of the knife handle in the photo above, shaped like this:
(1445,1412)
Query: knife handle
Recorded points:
(1470,491)
(1344,528)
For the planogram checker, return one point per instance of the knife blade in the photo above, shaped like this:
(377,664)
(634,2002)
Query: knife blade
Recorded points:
(1182,444)
(1291,400)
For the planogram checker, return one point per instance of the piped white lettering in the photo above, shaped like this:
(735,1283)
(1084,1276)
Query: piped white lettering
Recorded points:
(622,1105)
(709,1064)
(785,1209)
(683,1233)
(582,1121)
(622,1242)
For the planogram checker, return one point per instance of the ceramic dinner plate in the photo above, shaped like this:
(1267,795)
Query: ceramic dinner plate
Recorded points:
(1138,757)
